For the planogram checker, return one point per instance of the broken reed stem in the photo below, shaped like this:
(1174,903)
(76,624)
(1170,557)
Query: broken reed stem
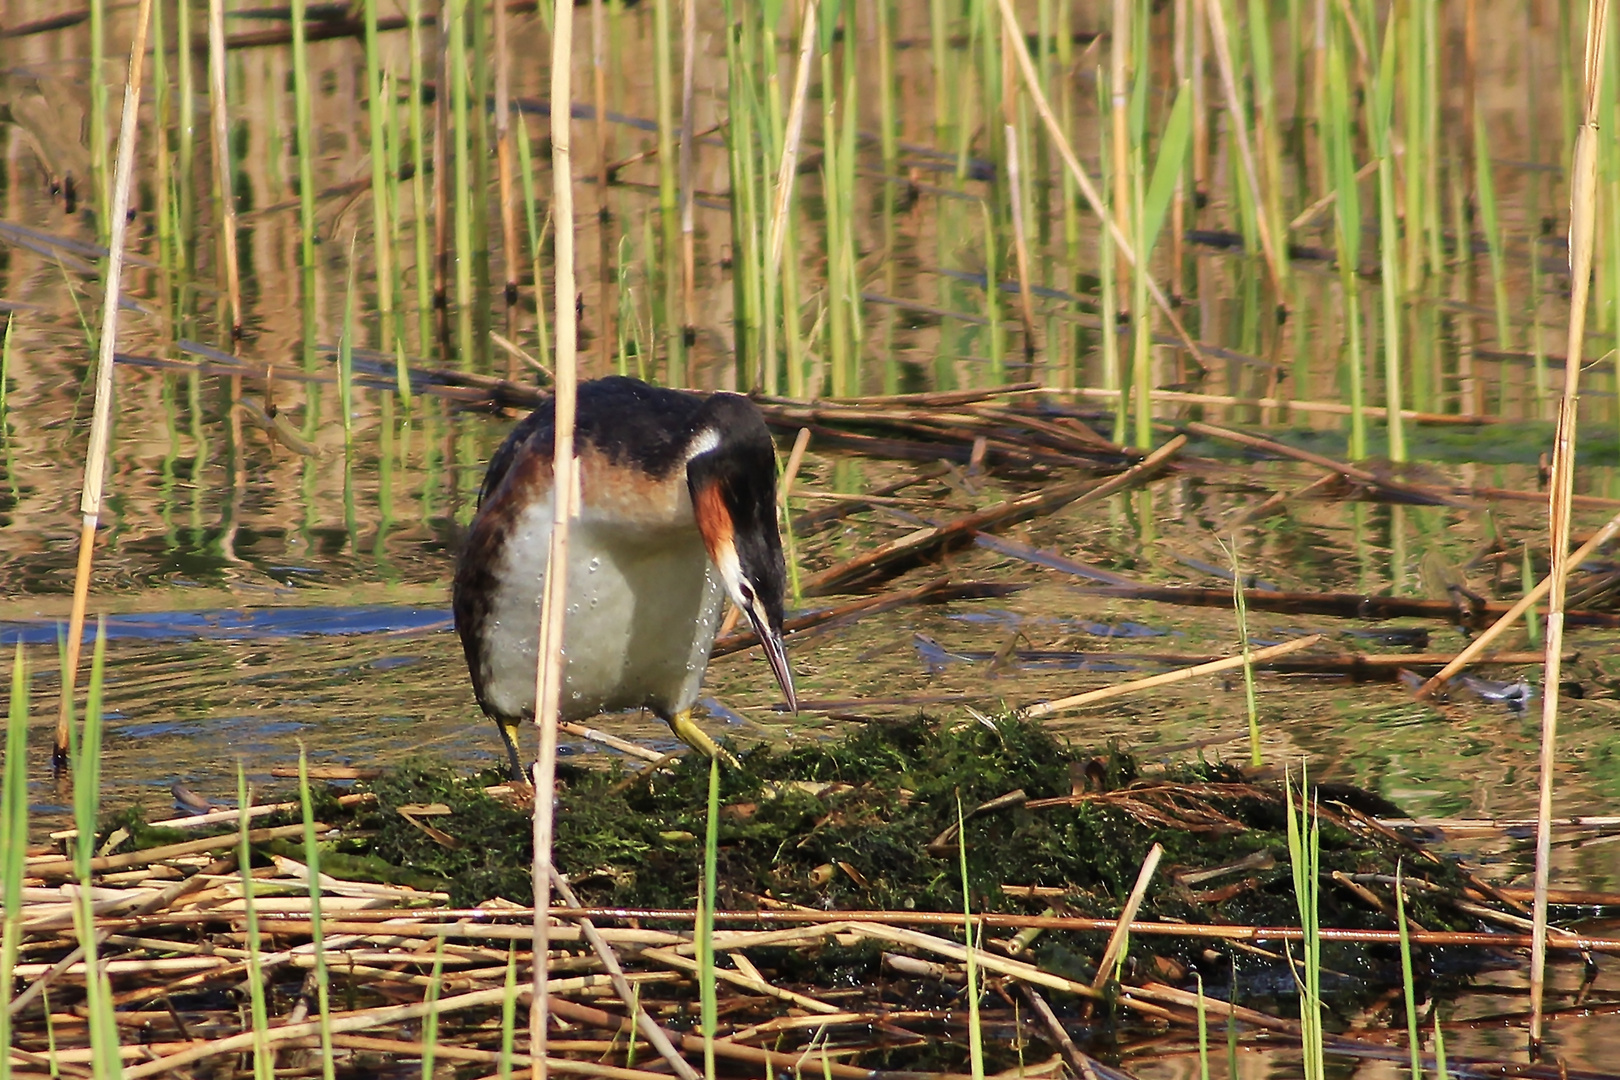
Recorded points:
(564,494)
(511,258)
(1127,915)
(610,960)
(1472,650)
(1020,245)
(789,166)
(95,457)
(1259,656)
(1216,15)
(218,118)
(1032,83)
(1582,225)
(688,78)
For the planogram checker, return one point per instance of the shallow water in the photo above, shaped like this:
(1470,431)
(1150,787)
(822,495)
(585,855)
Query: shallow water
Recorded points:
(258,599)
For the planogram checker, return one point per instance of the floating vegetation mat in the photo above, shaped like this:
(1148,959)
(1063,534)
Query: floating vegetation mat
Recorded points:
(839,935)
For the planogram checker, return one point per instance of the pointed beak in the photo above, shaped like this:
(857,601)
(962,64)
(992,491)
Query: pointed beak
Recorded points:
(776,653)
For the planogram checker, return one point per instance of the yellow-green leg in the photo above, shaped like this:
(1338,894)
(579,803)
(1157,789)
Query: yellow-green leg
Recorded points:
(695,737)
(509,732)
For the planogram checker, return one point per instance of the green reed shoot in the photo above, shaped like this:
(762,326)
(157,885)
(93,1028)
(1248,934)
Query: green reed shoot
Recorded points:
(1152,209)
(1107,289)
(1241,603)
(1267,128)
(346,360)
(509,1000)
(1407,982)
(992,298)
(1532,618)
(84,751)
(462,194)
(317,932)
(975,1032)
(707,894)
(1304,855)
(1338,151)
(381,231)
(537,239)
(1380,108)
(303,120)
(100,178)
(13,841)
(430,1022)
(1203,1031)
(419,197)
(264,1061)
(1490,223)
(1441,1072)
(668,203)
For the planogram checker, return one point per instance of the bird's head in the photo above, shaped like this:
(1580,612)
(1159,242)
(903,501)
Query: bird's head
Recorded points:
(731,474)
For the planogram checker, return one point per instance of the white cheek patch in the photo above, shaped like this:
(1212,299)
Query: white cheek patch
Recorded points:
(725,561)
(706,440)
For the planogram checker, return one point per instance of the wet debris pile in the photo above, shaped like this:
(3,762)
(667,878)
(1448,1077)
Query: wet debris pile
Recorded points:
(840,925)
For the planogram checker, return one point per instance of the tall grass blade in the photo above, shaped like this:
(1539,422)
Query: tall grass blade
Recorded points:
(317,932)
(975,1031)
(1408,988)
(14,838)
(264,1062)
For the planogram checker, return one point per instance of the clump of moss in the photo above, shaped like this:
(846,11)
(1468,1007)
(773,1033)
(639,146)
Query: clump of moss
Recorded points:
(848,825)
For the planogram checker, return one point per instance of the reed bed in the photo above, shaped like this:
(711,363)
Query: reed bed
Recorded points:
(1029,238)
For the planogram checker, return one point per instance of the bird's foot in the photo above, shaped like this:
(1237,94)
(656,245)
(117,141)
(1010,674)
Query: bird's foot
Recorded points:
(689,733)
(509,735)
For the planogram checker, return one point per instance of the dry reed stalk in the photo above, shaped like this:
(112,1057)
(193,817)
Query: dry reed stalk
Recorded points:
(1284,450)
(95,457)
(1472,650)
(63,868)
(933,537)
(624,746)
(218,115)
(1258,656)
(1020,240)
(386,924)
(790,472)
(738,978)
(684,164)
(607,302)
(1061,141)
(1329,408)
(789,167)
(511,258)
(1127,915)
(220,817)
(1014,969)
(1215,13)
(564,505)
(1582,225)
(604,952)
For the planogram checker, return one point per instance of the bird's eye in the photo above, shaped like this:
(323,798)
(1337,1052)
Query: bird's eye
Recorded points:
(747,593)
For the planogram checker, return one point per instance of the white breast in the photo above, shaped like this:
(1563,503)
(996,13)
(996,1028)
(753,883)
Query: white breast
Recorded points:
(643,605)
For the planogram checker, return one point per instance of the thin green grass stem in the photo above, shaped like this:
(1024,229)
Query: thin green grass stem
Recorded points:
(264,1062)
(419,196)
(84,752)
(381,231)
(708,1004)
(14,837)
(975,1031)
(317,932)
(430,1022)
(1408,988)
(1305,859)
(303,120)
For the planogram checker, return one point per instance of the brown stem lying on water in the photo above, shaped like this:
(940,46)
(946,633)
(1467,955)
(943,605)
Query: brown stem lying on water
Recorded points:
(889,558)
